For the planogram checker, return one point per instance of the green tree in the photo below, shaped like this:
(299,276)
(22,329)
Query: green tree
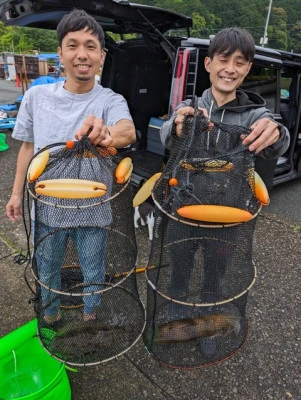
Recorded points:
(295,35)
(277,32)
(208,16)
(42,40)
(199,25)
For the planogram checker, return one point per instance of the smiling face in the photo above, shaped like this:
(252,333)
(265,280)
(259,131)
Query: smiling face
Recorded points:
(82,56)
(227,73)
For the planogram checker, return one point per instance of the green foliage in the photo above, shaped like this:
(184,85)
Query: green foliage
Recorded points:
(209,16)
(295,37)
(22,39)
(284,24)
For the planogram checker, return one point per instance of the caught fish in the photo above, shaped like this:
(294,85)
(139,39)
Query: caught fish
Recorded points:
(89,327)
(81,344)
(207,326)
(207,165)
(106,151)
(78,339)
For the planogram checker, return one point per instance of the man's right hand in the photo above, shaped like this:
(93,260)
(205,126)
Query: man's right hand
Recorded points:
(14,208)
(182,112)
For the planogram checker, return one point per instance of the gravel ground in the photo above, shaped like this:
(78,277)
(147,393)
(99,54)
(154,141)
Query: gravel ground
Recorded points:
(268,367)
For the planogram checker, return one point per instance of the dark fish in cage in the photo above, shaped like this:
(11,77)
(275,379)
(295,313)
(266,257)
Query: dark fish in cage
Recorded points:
(82,206)
(207,326)
(89,327)
(209,165)
(77,339)
(80,345)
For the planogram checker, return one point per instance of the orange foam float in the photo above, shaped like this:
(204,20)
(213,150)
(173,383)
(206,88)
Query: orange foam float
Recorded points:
(261,191)
(146,190)
(214,213)
(124,170)
(258,187)
(37,166)
(70,188)
(70,144)
(173,182)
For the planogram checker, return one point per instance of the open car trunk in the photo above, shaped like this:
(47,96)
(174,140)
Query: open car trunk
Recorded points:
(139,68)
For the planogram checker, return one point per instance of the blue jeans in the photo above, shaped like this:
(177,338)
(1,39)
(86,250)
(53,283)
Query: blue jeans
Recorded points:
(49,256)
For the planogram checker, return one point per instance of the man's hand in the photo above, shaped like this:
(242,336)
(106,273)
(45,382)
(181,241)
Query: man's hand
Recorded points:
(14,208)
(14,205)
(265,132)
(96,130)
(183,112)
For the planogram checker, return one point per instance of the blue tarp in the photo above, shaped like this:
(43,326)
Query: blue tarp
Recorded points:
(8,107)
(7,123)
(45,56)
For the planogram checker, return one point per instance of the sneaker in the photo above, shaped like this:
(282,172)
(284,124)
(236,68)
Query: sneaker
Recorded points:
(53,321)
(208,347)
(89,317)
(50,319)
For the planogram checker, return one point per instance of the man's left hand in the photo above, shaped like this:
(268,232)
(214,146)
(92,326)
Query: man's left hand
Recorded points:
(265,132)
(97,131)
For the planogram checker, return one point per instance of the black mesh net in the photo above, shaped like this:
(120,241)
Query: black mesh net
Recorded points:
(200,267)
(85,252)
(210,167)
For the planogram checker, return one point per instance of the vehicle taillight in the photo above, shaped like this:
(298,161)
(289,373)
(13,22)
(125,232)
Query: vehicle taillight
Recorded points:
(179,81)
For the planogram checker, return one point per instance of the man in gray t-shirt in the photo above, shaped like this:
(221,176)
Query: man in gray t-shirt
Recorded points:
(68,110)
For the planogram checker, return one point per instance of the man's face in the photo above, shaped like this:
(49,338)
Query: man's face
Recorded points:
(81,55)
(227,72)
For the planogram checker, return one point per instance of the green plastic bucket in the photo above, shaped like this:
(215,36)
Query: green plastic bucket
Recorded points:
(27,371)
(3,145)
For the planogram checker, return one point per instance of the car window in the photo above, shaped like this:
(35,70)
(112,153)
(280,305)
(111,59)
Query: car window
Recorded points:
(263,80)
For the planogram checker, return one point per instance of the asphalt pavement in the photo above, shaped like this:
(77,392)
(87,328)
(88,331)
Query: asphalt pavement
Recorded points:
(268,366)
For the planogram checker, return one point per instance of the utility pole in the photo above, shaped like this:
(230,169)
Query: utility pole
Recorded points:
(265,35)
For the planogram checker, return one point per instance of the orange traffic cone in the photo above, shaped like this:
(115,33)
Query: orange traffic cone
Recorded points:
(18,82)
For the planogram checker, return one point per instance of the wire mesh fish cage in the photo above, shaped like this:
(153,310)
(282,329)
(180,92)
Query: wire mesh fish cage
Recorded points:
(200,266)
(198,284)
(85,253)
(209,179)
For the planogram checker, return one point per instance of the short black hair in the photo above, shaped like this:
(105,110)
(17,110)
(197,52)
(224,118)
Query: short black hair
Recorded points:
(228,40)
(78,20)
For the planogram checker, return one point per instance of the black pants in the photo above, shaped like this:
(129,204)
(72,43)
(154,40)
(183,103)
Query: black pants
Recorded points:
(184,240)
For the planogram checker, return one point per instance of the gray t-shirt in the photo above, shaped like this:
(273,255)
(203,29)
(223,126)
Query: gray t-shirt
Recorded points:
(50,114)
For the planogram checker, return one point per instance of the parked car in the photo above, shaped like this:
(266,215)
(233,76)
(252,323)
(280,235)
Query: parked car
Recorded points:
(155,64)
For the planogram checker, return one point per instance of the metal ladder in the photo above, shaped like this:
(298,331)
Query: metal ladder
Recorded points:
(192,73)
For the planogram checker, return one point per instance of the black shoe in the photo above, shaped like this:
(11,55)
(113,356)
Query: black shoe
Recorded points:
(209,347)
